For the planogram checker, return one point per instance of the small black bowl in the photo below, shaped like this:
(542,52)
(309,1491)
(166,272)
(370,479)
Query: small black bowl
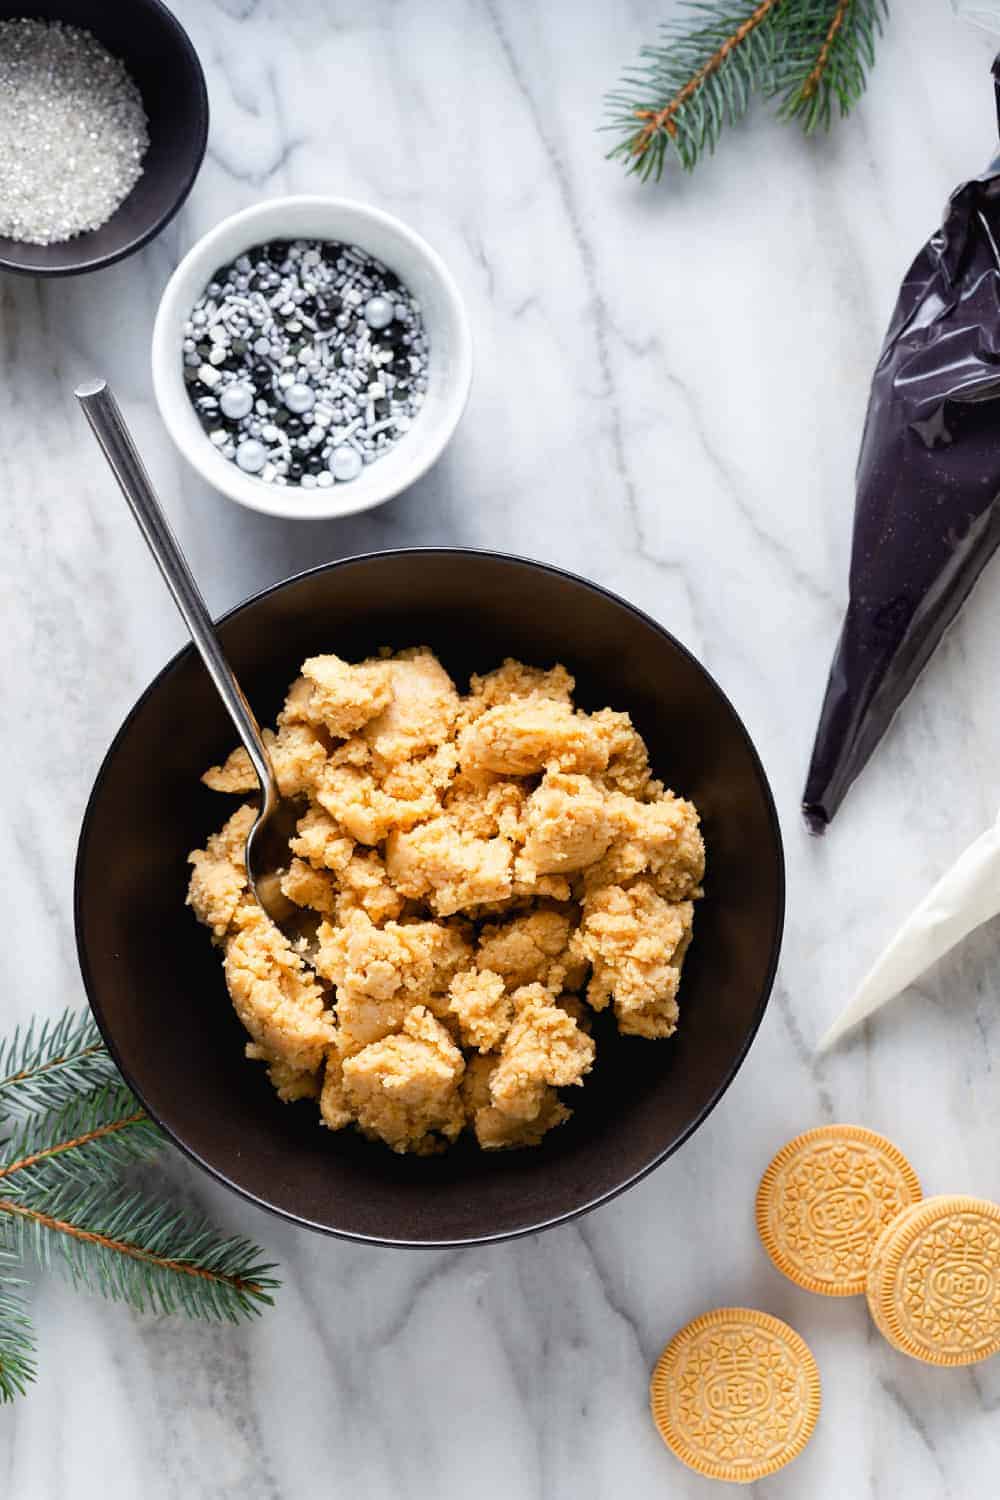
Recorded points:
(156,984)
(163,64)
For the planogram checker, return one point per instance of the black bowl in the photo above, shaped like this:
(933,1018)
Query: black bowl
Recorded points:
(158,54)
(156,985)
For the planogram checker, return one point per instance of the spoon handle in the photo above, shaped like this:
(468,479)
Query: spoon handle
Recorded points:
(104,415)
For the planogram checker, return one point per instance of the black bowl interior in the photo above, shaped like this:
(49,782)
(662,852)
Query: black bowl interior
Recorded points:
(156,984)
(164,66)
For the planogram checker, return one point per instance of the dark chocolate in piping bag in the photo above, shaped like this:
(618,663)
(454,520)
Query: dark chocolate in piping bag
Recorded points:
(927,507)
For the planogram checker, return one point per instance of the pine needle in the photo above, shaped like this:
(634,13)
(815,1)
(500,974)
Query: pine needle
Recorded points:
(812,55)
(73,1127)
(50,1062)
(17,1337)
(94,1135)
(826,61)
(146,1254)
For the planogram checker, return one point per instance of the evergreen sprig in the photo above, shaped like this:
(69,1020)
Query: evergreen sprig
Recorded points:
(92,1135)
(50,1062)
(811,55)
(71,1128)
(149,1255)
(17,1336)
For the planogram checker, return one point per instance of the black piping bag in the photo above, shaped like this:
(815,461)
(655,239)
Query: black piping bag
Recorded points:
(927,508)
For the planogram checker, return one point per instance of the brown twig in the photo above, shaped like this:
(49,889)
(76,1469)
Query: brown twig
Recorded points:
(812,83)
(663,119)
(81,1140)
(125,1247)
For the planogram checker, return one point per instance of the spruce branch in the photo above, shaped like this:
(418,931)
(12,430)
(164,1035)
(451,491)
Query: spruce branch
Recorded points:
(50,1062)
(826,61)
(17,1338)
(149,1255)
(72,1128)
(706,66)
(99,1133)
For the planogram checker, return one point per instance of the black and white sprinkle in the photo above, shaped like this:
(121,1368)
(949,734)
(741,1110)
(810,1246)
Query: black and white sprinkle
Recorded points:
(305,360)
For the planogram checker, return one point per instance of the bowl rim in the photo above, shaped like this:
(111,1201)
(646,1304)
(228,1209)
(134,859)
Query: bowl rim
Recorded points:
(586,1207)
(200,116)
(168,385)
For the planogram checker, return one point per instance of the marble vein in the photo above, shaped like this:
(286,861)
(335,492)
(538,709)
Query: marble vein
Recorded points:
(643,412)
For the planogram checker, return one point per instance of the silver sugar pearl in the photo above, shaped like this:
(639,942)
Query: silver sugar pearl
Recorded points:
(345,463)
(251,456)
(236,400)
(298,397)
(379,312)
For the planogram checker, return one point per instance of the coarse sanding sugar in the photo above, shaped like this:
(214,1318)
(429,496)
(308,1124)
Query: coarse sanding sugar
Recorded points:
(73,132)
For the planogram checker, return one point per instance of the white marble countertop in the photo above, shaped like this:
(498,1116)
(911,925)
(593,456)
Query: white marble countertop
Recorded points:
(668,397)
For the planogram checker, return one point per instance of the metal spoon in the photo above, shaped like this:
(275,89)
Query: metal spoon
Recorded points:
(267,841)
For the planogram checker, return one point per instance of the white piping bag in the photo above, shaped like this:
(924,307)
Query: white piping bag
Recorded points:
(964,898)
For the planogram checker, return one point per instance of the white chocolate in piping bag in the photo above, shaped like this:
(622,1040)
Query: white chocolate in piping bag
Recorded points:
(964,898)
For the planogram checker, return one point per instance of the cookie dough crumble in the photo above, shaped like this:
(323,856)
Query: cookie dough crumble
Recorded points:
(489,870)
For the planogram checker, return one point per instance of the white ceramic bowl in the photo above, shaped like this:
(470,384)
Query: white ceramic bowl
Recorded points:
(419,267)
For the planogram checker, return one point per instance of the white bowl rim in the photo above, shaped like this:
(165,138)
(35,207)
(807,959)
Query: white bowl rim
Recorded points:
(168,383)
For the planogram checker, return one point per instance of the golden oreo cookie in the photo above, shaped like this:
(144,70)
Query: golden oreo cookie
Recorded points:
(735,1394)
(934,1282)
(825,1200)
(878,1262)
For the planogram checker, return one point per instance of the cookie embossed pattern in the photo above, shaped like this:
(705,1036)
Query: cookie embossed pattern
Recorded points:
(736,1394)
(934,1282)
(824,1201)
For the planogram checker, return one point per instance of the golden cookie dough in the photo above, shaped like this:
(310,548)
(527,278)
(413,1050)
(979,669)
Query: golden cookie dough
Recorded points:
(404,1090)
(636,942)
(482,1007)
(479,864)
